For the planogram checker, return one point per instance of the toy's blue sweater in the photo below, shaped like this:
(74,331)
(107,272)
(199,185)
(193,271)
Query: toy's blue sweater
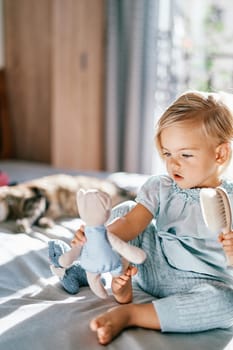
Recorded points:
(97,255)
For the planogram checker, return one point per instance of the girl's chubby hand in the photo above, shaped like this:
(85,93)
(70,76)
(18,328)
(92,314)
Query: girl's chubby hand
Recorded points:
(79,237)
(119,282)
(121,286)
(226,240)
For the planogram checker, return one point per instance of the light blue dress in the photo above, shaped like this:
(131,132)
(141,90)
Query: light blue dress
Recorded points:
(186,268)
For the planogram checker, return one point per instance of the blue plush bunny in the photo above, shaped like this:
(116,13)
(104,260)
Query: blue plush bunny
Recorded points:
(103,251)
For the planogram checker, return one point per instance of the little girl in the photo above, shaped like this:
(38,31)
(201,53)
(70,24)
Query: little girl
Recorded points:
(186,268)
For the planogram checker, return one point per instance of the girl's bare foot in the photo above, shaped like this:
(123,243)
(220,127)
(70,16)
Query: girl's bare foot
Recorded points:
(122,287)
(108,325)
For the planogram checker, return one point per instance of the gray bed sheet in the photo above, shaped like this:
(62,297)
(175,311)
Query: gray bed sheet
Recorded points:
(37,313)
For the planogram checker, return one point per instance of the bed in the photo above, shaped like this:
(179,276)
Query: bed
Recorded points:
(36,313)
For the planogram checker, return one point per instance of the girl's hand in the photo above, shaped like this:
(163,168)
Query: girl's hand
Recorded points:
(79,237)
(118,283)
(121,286)
(226,240)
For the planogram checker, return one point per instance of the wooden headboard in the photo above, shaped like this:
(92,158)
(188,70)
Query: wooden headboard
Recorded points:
(5,130)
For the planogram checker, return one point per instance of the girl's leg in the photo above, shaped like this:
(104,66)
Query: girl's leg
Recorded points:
(108,325)
(205,306)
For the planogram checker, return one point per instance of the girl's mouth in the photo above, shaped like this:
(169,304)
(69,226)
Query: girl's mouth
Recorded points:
(177,177)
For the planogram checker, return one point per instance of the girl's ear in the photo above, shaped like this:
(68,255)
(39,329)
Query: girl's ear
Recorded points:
(223,152)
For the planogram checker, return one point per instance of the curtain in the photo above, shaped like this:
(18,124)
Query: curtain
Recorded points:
(130,84)
(155,50)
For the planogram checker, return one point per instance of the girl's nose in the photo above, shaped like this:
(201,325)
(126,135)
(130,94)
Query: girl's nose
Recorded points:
(174,162)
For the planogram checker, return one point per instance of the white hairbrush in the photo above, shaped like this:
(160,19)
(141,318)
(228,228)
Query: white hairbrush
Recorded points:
(216,211)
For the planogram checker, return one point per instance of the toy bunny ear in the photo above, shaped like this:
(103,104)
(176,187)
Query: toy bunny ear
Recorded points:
(106,200)
(80,194)
(79,199)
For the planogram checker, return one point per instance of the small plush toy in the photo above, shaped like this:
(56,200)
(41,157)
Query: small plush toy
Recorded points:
(102,252)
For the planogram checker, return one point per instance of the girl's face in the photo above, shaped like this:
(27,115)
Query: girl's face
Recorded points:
(191,159)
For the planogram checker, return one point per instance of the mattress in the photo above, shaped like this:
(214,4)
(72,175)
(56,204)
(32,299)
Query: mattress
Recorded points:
(37,313)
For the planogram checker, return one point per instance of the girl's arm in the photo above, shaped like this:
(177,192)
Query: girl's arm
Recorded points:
(126,227)
(132,224)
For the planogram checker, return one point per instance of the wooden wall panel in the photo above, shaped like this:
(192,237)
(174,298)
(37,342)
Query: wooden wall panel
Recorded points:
(54,66)
(28,74)
(78,83)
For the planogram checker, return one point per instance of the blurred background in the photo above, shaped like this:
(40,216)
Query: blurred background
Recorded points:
(84,81)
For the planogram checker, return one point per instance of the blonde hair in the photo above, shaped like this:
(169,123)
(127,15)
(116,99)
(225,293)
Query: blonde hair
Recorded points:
(212,111)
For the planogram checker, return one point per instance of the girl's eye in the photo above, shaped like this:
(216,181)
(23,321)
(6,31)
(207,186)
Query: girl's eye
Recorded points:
(166,154)
(185,155)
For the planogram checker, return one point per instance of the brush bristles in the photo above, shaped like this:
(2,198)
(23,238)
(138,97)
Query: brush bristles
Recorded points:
(215,209)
